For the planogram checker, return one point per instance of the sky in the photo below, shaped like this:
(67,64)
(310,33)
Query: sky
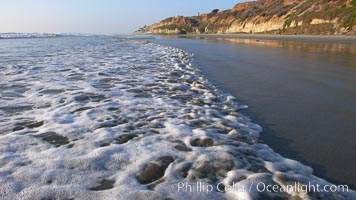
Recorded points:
(97,16)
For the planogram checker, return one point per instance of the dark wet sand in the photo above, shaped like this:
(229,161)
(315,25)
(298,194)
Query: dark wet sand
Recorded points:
(302,93)
(297,38)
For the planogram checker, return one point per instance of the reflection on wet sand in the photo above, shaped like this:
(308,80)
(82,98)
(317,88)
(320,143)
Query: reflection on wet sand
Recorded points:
(330,50)
(292,45)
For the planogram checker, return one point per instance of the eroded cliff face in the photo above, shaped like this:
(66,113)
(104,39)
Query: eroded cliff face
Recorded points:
(268,16)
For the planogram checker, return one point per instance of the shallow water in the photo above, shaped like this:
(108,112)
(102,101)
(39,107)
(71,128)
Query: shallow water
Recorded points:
(103,117)
(302,93)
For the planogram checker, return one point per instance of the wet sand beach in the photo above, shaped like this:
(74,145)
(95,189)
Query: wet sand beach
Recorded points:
(300,89)
(297,38)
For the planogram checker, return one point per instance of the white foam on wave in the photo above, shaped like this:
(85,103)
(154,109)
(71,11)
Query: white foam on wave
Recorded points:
(102,109)
(26,35)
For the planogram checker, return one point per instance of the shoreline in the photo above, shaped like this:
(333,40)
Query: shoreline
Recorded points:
(298,38)
(215,59)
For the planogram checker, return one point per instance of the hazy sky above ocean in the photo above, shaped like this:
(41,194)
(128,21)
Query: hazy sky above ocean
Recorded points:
(96,16)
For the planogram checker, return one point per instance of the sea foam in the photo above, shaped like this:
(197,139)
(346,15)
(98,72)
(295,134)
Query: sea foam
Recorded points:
(109,118)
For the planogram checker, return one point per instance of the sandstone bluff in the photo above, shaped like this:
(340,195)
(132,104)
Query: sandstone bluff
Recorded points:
(325,17)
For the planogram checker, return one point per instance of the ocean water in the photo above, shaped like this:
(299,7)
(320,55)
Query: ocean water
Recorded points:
(107,117)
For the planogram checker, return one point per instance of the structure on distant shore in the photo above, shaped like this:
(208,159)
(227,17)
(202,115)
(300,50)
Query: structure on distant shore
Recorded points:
(267,16)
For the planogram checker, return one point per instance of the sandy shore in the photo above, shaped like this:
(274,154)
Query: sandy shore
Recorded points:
(312,72)
(298,38)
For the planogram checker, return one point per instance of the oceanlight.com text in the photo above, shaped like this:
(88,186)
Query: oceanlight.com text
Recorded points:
(301,188)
